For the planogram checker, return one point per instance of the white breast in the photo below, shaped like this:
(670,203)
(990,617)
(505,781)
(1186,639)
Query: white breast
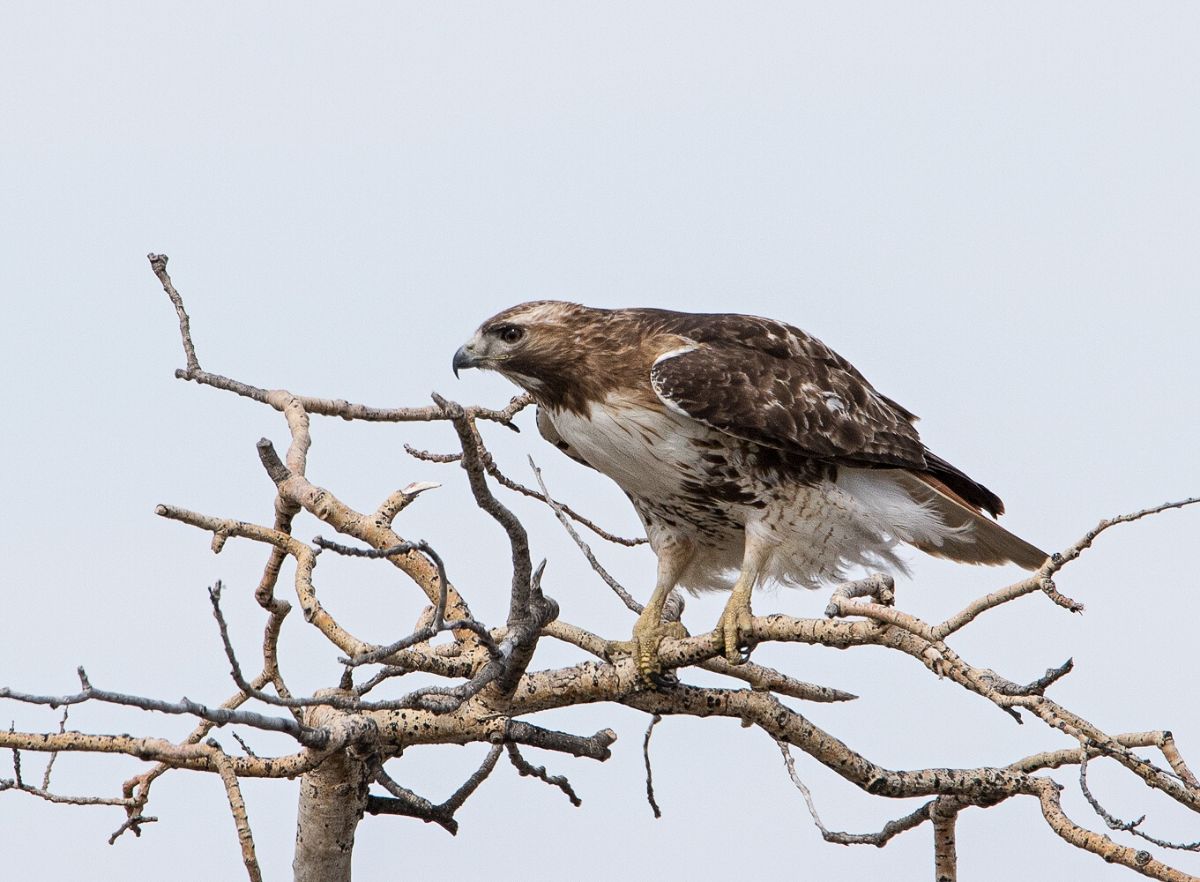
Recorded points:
(646,451)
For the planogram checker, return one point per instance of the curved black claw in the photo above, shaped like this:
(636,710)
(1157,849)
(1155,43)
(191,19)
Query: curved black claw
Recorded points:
(664,680)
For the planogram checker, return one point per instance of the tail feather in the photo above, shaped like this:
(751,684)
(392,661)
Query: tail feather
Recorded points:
(973,537)
(963,487)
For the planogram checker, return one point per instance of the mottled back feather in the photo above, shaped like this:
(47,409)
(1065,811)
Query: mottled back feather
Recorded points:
(797,404)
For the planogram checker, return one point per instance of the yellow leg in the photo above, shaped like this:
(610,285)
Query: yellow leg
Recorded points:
(733,628)
(650,629)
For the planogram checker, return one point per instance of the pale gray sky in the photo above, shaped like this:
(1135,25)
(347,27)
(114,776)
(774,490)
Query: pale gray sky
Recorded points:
(993,210)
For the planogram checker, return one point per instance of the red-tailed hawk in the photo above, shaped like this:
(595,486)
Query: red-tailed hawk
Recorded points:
(750,450)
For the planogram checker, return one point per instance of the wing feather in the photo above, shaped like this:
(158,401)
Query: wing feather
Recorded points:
(790,400)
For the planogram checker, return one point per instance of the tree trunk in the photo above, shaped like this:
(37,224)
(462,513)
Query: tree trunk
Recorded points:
(333,797)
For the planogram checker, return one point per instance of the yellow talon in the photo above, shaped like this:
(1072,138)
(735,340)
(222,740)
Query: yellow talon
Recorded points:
(733,628)
(643,648)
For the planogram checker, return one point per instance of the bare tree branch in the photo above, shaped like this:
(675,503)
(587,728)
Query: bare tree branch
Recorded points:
(400,500)
(1042,579)
(62,727)
(158,262)
(654,721)
(509,483)
(320,406)
(944,814)
(1139,861)
(1115,823)
(220,715)
(237,807)
(405,802)
(134,824)
(528,769)
(43,793)
(560,513)
(342,741)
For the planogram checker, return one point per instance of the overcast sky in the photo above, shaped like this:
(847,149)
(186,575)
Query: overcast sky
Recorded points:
(992,210)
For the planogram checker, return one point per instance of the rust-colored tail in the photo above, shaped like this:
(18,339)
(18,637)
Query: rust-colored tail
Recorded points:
(976,538)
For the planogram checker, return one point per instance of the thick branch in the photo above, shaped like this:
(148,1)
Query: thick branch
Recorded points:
(1140,861)
(237,807)
(944,814)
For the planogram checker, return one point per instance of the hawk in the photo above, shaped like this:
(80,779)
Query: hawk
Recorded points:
(751,451)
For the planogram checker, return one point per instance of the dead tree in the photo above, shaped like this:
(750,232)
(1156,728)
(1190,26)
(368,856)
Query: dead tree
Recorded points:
(344,738)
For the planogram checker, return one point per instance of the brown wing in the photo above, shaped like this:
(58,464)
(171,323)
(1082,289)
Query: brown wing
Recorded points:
(774,385)
(810,402)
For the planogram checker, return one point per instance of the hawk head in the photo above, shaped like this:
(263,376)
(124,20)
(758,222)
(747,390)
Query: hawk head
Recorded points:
(535,344)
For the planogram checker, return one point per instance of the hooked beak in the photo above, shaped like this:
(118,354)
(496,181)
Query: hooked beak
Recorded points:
(465,358)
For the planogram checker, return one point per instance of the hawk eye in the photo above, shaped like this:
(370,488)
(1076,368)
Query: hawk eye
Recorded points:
(509,333)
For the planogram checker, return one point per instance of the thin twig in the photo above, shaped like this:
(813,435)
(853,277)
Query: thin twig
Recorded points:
(654,721)
(1042,579)
(246,747)
(517,487)
(474,454)
(427,456)
(320,406)
(62,727)
(408,803)
(560,512)
(525,768)
(1115,823)
(879,839)
(43,793)
(158,262)
(1058,561)
(1004,686)
(185,706)
(459,796)
(133,824)
(403,548)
